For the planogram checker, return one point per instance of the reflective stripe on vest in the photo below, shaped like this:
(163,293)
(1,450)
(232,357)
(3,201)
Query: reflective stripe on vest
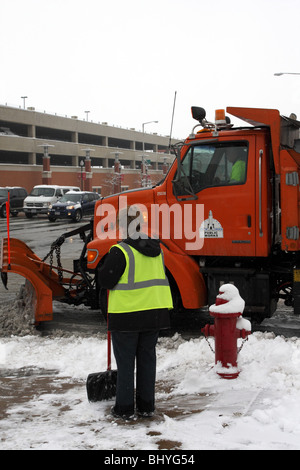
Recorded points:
(131,284)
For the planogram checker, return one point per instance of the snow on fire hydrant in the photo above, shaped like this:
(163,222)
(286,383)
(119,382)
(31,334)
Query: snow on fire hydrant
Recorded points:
(229,325)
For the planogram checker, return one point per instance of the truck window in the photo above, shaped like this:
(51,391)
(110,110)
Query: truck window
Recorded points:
(215,164)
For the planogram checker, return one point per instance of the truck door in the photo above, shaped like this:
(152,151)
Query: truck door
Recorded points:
(221,176)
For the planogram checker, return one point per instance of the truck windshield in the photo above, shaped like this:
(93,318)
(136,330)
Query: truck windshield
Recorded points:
(47,192)
(214,164)
(3,192)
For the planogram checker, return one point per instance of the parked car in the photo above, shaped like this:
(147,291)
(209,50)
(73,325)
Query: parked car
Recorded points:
(73,205)
(16,199)
(42,196)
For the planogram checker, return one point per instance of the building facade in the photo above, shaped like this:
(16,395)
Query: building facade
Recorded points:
(40,148)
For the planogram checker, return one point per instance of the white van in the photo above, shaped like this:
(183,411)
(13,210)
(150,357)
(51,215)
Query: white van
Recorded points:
(42,196)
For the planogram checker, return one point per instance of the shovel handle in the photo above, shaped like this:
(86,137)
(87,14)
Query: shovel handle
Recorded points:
(108,350)
(108,339)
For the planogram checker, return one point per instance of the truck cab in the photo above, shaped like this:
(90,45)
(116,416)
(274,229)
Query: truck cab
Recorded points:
(227,211)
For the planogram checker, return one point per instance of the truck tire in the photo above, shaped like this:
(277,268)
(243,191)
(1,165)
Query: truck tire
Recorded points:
(28,215)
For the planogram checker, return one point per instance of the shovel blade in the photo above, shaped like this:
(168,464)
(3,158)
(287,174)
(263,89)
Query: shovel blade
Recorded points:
(101,385)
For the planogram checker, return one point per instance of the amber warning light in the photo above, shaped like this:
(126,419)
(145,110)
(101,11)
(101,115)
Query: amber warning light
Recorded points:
(220,116)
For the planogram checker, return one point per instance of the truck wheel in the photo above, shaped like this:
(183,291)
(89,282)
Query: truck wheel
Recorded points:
(52,219)
(28,215)
(77,216)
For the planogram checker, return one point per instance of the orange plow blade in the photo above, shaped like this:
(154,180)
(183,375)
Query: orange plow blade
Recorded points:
(17,257)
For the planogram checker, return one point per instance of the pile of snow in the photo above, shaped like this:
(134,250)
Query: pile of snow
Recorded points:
(17,317)
(231,302)
(234,302)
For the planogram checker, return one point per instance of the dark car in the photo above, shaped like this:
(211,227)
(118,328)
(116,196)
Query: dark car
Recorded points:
(73,205)
(16,199)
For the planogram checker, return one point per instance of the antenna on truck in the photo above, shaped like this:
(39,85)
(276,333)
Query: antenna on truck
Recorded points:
(171,130)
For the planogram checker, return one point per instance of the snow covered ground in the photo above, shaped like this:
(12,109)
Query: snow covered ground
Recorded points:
(44,403)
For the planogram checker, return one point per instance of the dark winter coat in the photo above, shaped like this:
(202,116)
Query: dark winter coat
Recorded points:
(109,275)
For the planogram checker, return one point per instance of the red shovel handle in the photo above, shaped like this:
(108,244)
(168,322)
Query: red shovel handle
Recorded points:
(108,340)
(108,350)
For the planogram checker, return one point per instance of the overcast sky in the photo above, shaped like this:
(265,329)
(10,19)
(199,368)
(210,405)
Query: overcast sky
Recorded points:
(123,60)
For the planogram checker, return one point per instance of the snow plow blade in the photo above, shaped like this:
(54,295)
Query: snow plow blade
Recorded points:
(17,257)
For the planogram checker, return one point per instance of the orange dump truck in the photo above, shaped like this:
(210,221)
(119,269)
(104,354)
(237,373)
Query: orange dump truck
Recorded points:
(227,211)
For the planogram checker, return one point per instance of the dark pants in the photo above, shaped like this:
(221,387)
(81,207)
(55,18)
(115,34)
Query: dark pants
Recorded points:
(127,347)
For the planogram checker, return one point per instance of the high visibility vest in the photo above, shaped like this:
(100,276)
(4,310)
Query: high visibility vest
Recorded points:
(143,285)
(238,172)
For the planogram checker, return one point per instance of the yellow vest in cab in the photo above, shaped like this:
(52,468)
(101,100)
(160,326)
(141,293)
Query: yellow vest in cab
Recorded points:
(143,285)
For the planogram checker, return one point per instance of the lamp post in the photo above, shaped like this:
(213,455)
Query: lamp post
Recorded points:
(117,178)
(87,174)
(81,163)
(144,175)
(24,98)
(46,175)
(278,74)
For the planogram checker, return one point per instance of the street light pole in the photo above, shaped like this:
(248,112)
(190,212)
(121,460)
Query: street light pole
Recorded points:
(81,163)
(24,98)
(143,127)
(278,74)
(144,182)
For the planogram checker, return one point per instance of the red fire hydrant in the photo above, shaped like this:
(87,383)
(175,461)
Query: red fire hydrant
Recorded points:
(228,327)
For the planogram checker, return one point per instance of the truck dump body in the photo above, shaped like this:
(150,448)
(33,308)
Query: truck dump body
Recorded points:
(286,159)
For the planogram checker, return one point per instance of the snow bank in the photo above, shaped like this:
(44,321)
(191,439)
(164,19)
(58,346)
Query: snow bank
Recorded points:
(44,402)
(17,317)
(196,409)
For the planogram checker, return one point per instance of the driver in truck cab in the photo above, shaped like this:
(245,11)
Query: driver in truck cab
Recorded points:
(238,171)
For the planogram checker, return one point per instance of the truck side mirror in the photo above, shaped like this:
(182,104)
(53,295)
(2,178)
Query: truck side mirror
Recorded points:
(198,113)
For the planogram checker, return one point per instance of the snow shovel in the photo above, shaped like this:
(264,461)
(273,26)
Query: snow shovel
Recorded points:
(102,385)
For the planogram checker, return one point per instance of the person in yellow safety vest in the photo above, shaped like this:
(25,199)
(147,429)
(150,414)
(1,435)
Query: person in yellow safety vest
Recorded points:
(238,171)
(139,301)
